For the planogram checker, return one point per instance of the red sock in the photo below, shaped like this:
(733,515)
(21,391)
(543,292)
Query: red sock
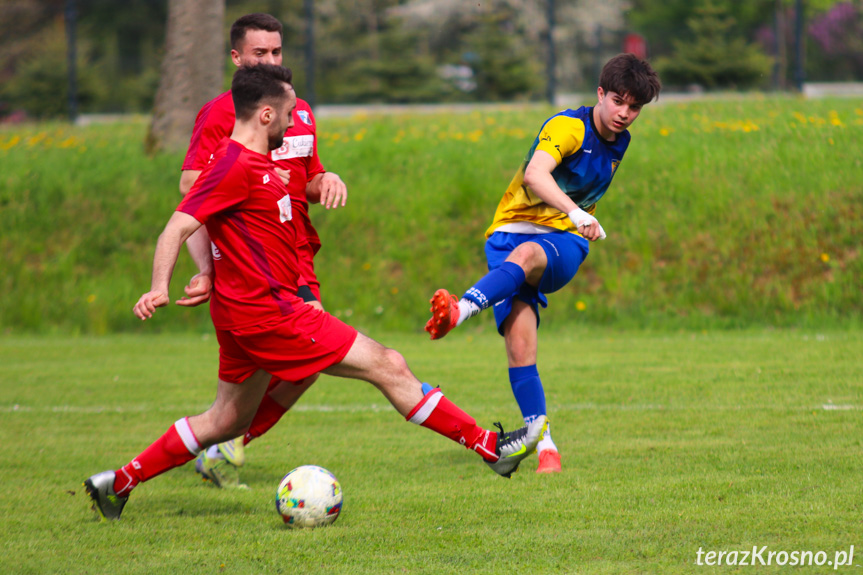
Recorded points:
(177,446)
(439,414)
(268,414)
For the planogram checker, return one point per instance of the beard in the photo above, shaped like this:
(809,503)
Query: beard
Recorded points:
(275,141)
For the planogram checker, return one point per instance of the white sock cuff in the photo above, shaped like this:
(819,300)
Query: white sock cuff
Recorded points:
(429,405)
(188,437)
(467,309)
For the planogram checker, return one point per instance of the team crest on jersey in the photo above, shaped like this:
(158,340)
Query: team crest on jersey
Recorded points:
(266,178)
(304,116)
(217,255)
(614,164)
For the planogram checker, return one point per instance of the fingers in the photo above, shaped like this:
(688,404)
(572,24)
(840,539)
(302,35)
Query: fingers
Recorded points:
(592,231)
(197,292)
(199,285)
(193,301)
(334,192)
(146,306)
(284,175)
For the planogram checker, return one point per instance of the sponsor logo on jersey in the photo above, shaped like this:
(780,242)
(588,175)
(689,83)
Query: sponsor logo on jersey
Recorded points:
(217,255)
(285,209)
(295,147)
(304,116)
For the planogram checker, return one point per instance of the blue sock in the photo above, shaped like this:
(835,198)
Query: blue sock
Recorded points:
(496,285)
(426,388)
(527,388)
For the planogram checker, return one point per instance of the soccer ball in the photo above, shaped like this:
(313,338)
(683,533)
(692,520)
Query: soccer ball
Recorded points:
(309,496)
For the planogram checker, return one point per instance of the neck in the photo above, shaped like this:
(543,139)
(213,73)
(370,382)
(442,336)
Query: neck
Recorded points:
(606,134)
(252,136)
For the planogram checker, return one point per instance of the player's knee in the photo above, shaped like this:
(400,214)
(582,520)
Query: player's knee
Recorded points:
(530,256)
(394,363)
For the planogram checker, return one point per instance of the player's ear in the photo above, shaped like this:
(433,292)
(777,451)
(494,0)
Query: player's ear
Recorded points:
(267,114)
(600,93)
(235,58)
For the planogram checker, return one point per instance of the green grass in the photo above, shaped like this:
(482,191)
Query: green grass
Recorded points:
(672,441)
(724,213)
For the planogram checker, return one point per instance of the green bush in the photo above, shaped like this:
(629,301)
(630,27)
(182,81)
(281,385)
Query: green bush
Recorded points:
(716,55)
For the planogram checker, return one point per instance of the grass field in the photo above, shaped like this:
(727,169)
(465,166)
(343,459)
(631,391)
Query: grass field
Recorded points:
(672,442)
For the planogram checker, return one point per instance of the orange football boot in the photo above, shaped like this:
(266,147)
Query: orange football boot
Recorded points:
(549,461)
(445,314)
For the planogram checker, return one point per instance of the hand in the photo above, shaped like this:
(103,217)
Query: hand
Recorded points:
(285,175)
(592,231)
(334,192)
(148,303)
(587,225)
(198,291)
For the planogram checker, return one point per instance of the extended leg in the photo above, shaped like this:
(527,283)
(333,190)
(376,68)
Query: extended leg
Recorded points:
(387,370)
(228,417)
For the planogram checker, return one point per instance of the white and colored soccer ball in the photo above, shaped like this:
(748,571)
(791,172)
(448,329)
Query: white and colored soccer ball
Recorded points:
(309,496)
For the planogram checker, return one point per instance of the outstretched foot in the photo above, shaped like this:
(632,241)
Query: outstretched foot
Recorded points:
(445,312)
(514,446)
(106,502)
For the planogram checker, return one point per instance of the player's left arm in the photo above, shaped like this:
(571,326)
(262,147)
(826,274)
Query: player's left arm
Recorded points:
(179,228)
(327,189)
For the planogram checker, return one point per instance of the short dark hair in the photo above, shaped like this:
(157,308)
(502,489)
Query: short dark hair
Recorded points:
(255,84)
(627,74)
(256,21)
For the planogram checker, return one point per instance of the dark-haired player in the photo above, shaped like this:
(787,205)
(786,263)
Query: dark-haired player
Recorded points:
(264,329)
(543,225)
(257,39)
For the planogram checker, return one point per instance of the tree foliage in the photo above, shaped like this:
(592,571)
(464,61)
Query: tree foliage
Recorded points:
(425,50)
(715,54)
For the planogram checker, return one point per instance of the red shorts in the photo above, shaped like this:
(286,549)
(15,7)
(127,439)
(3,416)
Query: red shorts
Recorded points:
(290,348)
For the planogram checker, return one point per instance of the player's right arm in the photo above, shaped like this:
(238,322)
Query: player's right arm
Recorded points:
(211,125)
(179,228)
(538,177)
(560,137)
(201,285)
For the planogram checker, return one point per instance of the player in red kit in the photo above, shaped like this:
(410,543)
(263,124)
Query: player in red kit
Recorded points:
(264,329)
(257,39)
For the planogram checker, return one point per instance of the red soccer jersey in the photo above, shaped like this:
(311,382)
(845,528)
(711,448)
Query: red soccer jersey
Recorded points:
(247,211)
(299,153)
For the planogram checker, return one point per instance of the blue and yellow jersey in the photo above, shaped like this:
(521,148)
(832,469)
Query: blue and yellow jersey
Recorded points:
(586,164)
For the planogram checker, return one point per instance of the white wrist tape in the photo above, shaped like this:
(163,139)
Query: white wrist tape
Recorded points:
(581,218)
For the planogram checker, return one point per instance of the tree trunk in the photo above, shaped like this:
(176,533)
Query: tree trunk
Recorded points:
(192,71)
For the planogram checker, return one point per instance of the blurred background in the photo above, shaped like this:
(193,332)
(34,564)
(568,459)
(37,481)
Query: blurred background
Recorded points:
(60,58)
